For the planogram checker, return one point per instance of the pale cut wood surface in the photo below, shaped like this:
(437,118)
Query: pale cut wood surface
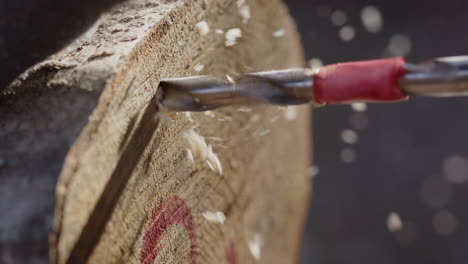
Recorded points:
(127,192)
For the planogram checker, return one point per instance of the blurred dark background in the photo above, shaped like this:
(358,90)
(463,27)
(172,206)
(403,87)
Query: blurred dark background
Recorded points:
(31,30)
(409,158)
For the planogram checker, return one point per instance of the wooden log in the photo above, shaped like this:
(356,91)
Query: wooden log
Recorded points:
(128,192)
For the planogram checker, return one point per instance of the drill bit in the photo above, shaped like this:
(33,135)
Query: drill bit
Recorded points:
(201,93)
(377,80)
(440,77)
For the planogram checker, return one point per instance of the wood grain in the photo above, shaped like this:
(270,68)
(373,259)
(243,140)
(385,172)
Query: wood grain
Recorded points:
(127,192)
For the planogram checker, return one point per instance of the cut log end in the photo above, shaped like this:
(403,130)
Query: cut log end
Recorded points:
(133,187)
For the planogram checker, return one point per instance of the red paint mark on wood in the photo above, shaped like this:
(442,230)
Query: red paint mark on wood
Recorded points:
(231,253)
(170,212)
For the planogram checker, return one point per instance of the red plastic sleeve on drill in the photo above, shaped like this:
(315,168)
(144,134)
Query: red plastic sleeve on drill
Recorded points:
(370,81)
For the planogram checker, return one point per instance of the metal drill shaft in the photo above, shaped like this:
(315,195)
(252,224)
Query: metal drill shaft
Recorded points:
(439,77)
(201,93)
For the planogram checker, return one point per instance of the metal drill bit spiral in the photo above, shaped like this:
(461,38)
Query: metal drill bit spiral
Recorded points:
(440,77)
(201,93)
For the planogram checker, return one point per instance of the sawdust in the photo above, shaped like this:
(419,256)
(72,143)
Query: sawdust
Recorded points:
(394,222)
(349,136)
(255,246)
(338,18)
(348,155)
(188,115)
(347,33)
(210,114)
(198,67)
(203,28)
(359,107)
(225,119)
(197,144)
(264,132)
(275,118)
(229,78)
(202,150)
(232,35)
(213,161)
(371,19)
(210,165)
(190,156)
(214,217)
(290,113)
(399,45)
(279,33)
(244,12)
(313,171)
(315,63)
(245,109)
(215,139)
